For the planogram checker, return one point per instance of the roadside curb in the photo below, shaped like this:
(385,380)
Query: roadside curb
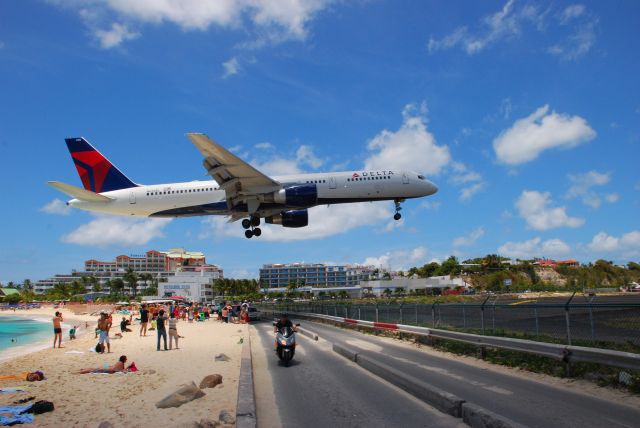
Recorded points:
(311,335)
(479,417)
(471,414)
(246,405)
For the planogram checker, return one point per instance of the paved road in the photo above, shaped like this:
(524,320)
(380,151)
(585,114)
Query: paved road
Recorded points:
(322,389)
(534,404)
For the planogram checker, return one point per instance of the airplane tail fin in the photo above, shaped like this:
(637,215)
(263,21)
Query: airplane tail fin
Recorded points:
(96,172)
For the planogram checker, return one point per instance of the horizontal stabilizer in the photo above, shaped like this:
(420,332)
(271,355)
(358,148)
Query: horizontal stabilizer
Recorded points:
(78,193)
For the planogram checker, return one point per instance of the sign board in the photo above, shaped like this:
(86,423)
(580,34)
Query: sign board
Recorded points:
(507,282)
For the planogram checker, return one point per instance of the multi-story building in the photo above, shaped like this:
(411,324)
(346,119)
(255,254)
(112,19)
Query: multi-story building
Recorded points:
(162,265)
(193,283)
(316,275)
(152,261)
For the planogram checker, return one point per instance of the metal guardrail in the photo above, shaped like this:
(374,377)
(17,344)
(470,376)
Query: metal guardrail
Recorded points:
(565,353)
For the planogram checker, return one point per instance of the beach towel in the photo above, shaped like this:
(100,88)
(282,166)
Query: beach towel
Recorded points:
(27,418)
(74,352)
(9,390)
(18,376)
(14,410)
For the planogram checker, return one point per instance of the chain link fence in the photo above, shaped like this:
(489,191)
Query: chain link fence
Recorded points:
(584,323)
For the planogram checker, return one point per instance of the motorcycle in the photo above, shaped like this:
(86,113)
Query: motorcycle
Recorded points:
(286,344)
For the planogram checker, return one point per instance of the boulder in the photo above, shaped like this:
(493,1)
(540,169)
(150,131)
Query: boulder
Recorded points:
(226,417)
(105,424)
(183,395)
(211,381)
(205,423)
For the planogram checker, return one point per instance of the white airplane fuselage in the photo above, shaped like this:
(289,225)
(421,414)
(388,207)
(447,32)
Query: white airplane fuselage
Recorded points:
(206,198)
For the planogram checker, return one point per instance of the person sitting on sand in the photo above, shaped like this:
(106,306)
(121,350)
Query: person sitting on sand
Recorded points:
(117,367)
(72,332)
(123,325)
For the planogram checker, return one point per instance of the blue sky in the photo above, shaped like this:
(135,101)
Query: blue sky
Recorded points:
(526,115)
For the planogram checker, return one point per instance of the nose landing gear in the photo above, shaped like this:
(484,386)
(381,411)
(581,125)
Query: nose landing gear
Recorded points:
(251,225)
(397,215)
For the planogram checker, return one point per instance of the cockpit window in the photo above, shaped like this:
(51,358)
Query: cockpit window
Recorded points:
(421,177)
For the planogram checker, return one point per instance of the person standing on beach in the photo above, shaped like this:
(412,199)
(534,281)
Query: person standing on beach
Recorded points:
(173,331)
(104,324)
(57,330)
(144,319)
(162,332)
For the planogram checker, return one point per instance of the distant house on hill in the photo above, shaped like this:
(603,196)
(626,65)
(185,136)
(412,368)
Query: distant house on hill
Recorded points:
(8,291)
(548,263)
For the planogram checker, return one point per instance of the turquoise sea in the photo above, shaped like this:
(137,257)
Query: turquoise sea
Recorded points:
(18,331)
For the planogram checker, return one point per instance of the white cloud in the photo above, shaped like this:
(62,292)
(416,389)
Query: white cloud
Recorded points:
(468,192)
(270,21)
(534,248)
(231,67)
(324,221)
(540,131)
(412,147)
(504,24)
(430,205)
(264,146)
(115,36)
(612,197)
(305,155)
(628,244)
(582,184)
(470,239)
(462,176)
(126,231)
(571,12)
(56,207)
(399,260)
(535,208)
(577,44)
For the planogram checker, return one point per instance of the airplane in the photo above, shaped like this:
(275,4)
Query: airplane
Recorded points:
(238,190)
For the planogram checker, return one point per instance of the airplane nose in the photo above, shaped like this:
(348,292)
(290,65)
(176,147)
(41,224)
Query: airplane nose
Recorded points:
(431,188)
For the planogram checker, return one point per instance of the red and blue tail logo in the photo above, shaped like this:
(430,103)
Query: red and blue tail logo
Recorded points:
(96,172)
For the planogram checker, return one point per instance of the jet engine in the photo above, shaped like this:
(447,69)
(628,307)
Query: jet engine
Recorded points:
(294,218)
(297,195)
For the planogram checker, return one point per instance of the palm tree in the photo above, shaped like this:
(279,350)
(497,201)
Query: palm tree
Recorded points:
(117,284)
(95,284)
(146,277)
(131,277)
(27,285)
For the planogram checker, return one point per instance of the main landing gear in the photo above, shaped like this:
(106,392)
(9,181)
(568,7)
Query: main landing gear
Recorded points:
(397,215)
(251,225)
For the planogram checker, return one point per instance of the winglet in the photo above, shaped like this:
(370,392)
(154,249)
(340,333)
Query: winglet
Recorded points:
(78,193)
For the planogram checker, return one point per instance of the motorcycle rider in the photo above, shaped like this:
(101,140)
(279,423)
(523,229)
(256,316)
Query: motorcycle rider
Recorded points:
(284,321)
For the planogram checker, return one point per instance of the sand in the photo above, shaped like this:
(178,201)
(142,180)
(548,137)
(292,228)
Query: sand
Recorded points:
(128,400)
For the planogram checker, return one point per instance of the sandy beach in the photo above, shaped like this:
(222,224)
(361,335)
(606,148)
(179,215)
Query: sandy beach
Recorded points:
(127,400)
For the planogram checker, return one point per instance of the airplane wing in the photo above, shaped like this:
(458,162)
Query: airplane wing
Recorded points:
(240,181)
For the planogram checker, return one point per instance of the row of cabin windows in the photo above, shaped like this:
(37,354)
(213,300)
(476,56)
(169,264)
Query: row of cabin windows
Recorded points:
(381,177)
(173,192)
(316,181)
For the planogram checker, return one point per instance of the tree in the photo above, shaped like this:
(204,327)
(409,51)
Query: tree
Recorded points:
(387,292)
(117,285)
(131,277)
(77,288)
(146,277)
(399,291)
(95,284)
(27,285)
(450,266)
